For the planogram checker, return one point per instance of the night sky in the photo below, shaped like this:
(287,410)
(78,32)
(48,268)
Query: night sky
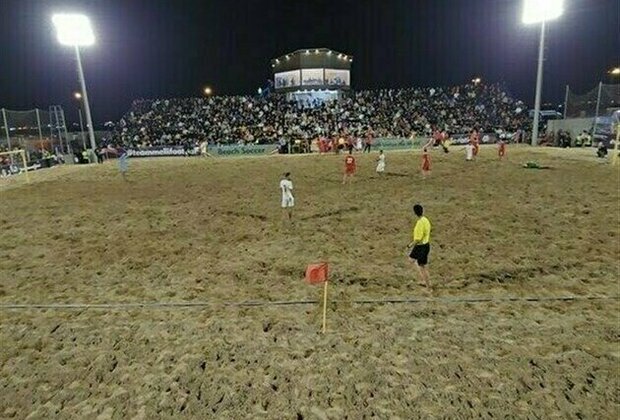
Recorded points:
(157,48)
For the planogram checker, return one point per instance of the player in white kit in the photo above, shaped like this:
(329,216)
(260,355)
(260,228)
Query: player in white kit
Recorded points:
(469,152)
(381,163)
(288,201)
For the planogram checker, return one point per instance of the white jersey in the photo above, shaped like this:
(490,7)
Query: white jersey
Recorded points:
(381,163)
(286,186)
(469,152)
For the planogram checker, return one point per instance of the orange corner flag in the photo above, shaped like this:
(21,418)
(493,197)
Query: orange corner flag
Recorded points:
(317,273)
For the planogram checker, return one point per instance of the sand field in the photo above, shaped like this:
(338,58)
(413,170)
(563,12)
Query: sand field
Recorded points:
(523,321)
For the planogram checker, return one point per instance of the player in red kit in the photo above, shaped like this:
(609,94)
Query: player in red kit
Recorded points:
(501,149)
(474,140)
(426,163)
(349,168)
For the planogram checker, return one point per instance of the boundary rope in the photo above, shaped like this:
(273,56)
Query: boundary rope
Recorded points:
(155,305)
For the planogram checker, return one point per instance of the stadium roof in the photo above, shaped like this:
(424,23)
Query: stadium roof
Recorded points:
(308,51)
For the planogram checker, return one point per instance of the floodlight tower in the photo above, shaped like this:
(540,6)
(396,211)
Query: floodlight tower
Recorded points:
(540,11)
(75,31)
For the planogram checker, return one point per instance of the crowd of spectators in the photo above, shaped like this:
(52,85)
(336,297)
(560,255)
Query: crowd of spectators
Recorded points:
(386,112)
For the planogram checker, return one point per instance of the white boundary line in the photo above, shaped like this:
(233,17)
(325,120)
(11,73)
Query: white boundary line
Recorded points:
(155,305)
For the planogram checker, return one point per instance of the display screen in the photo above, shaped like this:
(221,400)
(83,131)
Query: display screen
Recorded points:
(287,79)
(334,77)
(312,77)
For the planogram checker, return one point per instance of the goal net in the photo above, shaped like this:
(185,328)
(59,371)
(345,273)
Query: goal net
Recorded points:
(14,163)
(34,131)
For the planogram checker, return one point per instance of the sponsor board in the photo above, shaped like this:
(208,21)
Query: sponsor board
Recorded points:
(161,151)
(250,149)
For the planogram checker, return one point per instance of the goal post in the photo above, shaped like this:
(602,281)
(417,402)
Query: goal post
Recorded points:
(14,162)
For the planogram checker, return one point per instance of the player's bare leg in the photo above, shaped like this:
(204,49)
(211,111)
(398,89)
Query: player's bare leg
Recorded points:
(287,216)
(426,276)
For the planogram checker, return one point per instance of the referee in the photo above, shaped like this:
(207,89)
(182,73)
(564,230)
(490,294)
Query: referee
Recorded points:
(420,246)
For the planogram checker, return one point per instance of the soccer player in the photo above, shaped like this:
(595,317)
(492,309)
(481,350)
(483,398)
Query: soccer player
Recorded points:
(123,165)
(469,152)
(204,149)
(341,143)
(368,143)
(474,140)
(288,201)
(438,139)
(501,149)
(350,143)
(381,163)
(349,168)
(421,244)
(426,162)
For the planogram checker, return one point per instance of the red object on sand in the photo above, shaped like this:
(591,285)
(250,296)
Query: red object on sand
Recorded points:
(317,273)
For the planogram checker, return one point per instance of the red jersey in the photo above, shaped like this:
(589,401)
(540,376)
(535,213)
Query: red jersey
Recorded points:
(349,164)
(502,148)
(426,161)
(437,137)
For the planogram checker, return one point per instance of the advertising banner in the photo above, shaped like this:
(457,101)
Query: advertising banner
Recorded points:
(161,151)
(249,149)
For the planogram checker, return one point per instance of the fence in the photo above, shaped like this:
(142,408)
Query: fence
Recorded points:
(34,129)
(601,100)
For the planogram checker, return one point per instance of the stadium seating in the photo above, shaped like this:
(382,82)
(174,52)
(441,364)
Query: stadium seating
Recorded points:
(388,112)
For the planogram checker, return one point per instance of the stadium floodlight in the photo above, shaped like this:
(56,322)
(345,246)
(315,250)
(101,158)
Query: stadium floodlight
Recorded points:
(75,30)
(208,91)
(540,11)
(72,29)
(77,95)
(615,71)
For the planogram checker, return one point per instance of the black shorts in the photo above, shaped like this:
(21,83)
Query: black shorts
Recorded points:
(419,253)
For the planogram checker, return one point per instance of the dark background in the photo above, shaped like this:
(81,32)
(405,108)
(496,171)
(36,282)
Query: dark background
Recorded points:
(157,48)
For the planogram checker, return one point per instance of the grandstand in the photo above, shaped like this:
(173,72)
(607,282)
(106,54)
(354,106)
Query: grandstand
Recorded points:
(396,113)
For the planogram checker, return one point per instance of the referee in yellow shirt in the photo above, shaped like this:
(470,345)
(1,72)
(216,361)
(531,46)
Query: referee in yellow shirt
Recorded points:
(421,244)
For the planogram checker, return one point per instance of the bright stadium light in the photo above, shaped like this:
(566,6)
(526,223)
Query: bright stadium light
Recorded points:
(540,11)
(615,71)
(75,30)
(208,91)
(77,95)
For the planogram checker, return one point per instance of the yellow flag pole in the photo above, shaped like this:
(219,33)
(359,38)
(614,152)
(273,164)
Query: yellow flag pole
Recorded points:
(614,158)
(325,307)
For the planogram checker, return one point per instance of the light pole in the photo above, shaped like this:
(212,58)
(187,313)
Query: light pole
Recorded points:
(540,11)
(75,30)
(78,96)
